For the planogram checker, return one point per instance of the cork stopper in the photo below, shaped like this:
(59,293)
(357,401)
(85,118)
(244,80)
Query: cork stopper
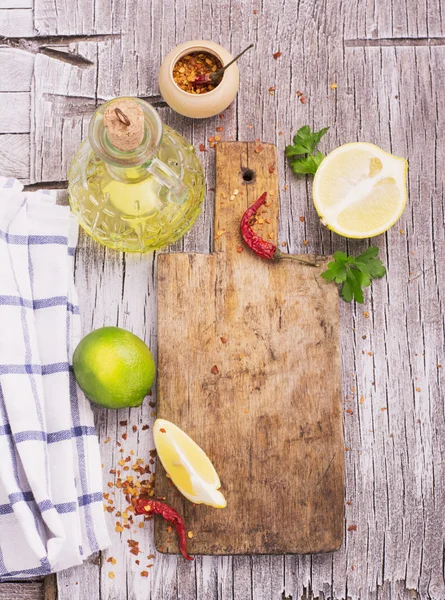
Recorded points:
(124,122)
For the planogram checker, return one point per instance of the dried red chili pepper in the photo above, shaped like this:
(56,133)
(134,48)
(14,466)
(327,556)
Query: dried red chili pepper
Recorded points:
(256,243)
(146,507)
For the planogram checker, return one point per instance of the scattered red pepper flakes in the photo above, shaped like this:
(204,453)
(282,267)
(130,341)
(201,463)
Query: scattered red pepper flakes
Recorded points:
(111,575)
(239,249)
(333,86)
(346,448)
(271,169)
(349,411)
(366,314)
(124,436)
(383,408)
(299,94)
(144,573)
(303,99)
(111,560)
(277,55)
(352,528)
(439,366)
(362,399)
(402,231)
(259,149)
(214,370)
(118,528)
(284,244)
(134,428)
(305,242)
(280,133)
(222,116)
(107,440)
(302,219)
(220,128)
(203,148)
(418,389)
(123,423)
(162,430)
(255,12)
(272,90)
(223,340)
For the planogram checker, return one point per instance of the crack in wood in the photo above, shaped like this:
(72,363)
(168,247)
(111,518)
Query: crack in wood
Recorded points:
(46,185)
(82,106)
(394,42)
(39,45)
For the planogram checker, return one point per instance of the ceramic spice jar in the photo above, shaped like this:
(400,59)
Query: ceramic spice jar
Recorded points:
(202,105)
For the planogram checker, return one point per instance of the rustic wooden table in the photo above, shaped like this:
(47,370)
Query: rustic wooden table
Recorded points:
(386,58)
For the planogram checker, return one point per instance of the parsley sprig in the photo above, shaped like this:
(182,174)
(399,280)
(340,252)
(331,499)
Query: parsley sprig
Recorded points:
(305,143)
(354,273)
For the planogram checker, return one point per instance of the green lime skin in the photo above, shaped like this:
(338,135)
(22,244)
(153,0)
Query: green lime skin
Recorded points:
(114,368)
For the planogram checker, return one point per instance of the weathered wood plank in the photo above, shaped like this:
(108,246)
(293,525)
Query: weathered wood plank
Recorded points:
(14,156)
(22,591)
(16,22)
(16,68)
(15,4)
(17,105)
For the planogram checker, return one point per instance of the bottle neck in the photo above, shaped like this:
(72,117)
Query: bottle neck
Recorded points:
(126,166)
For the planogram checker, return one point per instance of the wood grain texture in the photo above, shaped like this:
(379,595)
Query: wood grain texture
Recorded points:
(17,105)
(14,156)
(391,96)
(16,70)
(16,22)
(22,591)
(270,418)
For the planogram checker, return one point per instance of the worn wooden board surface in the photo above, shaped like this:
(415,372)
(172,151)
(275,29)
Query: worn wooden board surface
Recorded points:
(270,418)
(387,59)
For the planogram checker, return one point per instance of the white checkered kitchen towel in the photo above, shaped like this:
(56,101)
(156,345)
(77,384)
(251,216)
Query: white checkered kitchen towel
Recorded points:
(51,505)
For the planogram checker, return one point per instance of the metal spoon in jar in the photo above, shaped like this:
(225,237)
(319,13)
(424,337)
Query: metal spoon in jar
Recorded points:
(217,75)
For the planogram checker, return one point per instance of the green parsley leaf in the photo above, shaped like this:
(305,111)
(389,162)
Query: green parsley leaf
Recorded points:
(354,274)
(308,164)
(305,143)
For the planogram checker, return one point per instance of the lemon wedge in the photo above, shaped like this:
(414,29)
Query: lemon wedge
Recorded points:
(360,190)
(187,464)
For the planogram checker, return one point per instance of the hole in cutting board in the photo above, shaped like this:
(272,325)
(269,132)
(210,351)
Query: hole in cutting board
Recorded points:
(248,175)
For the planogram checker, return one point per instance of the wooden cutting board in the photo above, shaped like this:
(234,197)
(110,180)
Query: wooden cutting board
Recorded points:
(270,419)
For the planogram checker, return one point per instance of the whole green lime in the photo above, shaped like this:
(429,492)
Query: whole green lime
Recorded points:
(114,367)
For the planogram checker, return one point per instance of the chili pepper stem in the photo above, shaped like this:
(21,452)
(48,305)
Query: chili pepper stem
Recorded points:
(279,255)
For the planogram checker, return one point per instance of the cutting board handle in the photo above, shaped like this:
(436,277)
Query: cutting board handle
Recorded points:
(239,168)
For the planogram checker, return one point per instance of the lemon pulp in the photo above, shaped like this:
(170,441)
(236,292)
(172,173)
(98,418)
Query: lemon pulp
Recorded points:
(188,466)
(360,190)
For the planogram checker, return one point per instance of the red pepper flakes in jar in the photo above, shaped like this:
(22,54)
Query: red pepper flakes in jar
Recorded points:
(193,65)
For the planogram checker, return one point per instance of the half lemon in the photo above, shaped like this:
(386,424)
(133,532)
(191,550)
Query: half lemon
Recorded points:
(360,190)
(188,466)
